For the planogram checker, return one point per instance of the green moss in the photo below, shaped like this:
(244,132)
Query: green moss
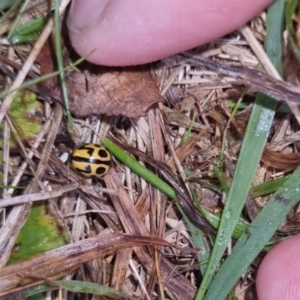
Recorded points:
(26,114)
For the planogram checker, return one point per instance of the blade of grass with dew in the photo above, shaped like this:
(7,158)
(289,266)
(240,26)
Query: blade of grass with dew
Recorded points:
(214,218)
(256,134)
(254,239)
(254,141)
(214,221)
(60,64)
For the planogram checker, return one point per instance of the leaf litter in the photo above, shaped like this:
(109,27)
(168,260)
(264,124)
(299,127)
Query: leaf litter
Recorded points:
(128,104)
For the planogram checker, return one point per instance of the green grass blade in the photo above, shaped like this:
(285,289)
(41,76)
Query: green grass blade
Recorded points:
(60,64)
(12,5)
(198,241)
(11,187)
(4,4)
(256,236)
(161,185)
(267,188)
(254,141)
(221,179)
(256,134)
(138,168)
(275,23)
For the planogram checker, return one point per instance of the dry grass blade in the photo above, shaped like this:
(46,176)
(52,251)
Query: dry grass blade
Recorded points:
(133,223)
(52,265)
(18,215)
(37,197)
(255,79)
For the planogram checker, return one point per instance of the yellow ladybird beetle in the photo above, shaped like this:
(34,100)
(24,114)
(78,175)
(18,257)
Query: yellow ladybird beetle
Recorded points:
(91,160)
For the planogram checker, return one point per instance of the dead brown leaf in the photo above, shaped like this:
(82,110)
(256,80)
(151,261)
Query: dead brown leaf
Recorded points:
(126,91)
(95,90)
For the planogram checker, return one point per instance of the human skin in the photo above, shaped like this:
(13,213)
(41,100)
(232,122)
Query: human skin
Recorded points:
(131,32)
(279,273)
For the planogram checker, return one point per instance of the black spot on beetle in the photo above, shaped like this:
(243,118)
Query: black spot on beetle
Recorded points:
(102,153)
(100,170)
(87,170)
(90,150)
(80,159)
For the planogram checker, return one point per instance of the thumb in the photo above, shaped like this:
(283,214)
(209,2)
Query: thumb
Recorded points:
(278,275)
(135,32)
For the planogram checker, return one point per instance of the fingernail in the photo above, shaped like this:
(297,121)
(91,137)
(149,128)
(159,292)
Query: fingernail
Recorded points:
(83,14)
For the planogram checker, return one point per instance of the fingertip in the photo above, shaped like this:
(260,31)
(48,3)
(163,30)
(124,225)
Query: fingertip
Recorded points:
(84,15)
(137,32)
(278,275)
